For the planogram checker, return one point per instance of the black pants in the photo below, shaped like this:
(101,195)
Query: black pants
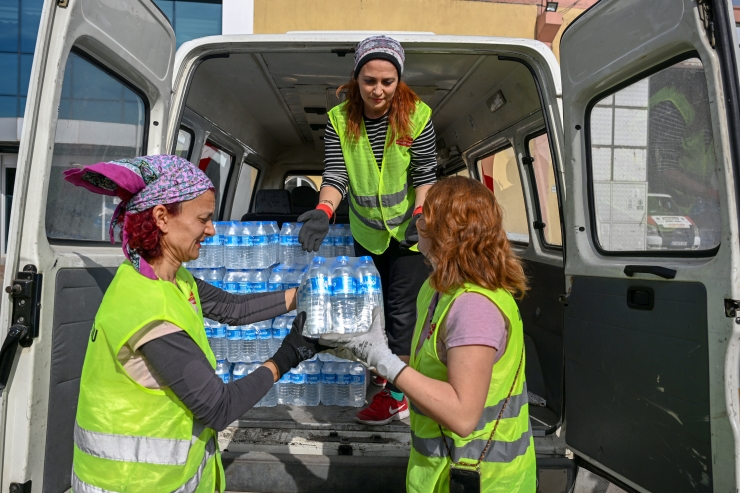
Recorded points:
(402,272)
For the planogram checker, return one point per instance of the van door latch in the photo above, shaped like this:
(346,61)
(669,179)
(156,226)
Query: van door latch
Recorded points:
(731,308)
(707,17)
(25,293)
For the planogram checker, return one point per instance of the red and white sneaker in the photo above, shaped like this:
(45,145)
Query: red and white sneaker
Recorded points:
(383,409)
(379,381)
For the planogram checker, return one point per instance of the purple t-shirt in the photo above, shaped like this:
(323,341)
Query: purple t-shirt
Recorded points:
(471,320)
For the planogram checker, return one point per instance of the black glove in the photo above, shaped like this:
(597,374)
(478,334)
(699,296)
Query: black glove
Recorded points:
(315,228)
(296,348)
(412,234)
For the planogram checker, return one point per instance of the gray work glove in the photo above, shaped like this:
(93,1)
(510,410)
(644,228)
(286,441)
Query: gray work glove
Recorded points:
(295,347)
(315,228)
(369,348)
(411,237)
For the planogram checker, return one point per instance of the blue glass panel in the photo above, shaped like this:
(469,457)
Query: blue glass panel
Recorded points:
(9,74)
(97,110)
(9,25)
(65,109)
(30,19)
(8,106)
(22,106)
(26,62)
(167,6)
(90,82)
(133,112)
(196,19)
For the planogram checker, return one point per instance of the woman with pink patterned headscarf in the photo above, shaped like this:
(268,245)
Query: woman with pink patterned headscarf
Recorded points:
(151,401)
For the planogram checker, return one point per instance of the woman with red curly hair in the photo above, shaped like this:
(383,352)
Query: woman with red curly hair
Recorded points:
(151,403)
(465,377)
(381,154)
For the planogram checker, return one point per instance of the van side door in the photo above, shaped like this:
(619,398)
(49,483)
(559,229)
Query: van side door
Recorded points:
(100,90)
(651,338)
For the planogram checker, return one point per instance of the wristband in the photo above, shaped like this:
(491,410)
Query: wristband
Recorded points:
(325,208)
(418,210)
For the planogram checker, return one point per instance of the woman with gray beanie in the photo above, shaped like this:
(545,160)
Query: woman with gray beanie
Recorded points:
(380,152)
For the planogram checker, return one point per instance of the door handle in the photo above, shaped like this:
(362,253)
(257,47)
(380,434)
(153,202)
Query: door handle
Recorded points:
(656,270)
(7,353)
(640,298)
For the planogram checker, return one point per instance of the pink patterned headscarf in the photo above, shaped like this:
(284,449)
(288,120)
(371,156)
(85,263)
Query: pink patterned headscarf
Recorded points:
(141,183)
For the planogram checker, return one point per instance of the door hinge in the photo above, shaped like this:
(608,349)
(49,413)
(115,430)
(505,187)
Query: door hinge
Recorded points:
(538,225)
(707,17)
(563,298)
(20,487)
(63,3)
(527,160)
(731,307)
(25,294)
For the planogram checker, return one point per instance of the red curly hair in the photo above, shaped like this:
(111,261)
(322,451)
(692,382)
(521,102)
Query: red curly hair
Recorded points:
(144,237)
(402,107)
(467,240)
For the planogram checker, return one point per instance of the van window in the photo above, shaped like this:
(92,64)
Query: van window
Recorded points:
(248,175)
(652,165)
(293,180)
(500,173)
(543,174)
(184,146)
(100,119)
(217,164)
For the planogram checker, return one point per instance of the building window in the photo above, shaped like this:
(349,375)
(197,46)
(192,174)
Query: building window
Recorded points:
(19,25)
(192,19)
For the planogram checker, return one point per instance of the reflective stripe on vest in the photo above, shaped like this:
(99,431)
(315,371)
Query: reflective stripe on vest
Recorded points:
(388,200)
(497,452)
(126,448)
(380,225)
(190,486)
(490,413)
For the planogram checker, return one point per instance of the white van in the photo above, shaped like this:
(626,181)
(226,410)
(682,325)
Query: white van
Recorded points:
(633,345)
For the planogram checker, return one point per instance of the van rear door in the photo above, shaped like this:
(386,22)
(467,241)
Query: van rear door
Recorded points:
(651,334)
(100,89)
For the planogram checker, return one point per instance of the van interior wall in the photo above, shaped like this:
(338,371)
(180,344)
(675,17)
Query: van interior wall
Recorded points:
(276,103)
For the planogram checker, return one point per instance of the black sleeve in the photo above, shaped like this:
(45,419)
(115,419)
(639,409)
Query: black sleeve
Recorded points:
(335,168)
(239,309)
(423,152)
(185,370)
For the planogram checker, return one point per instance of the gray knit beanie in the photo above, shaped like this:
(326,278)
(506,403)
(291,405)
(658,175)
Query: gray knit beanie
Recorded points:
(379,47)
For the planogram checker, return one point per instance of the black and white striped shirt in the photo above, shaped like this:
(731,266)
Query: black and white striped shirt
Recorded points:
(423,151)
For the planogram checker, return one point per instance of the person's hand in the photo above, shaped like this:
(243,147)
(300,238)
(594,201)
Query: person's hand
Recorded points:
(315,228)
(295,348)
(369,348)
(412,234)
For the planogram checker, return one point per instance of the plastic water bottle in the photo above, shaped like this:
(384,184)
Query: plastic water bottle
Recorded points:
(329,384)
(264,339)
(231,280)
(275,282)
(260,246)
(344,379)
(245,245)
(218,247)
(357,385)
(240,371)
(350,243)
(369,292)
(313,382)
(222,371)
(248,345)
(298,390)
(340,241)
(274,240)
(218,338)
(214,277)
(286,251)
(314,298)
(231,245)
(271,398)
(234,344)
(343,297)
(327,246)
(258,280)
(280,329)
(208,247)
(284,389)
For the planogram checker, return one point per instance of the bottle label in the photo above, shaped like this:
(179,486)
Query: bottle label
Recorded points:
(286,240)
(350,240)
(219,331)
(257,287)
(234,334)
(280,333)
(249,334)
(285,378)
(329,378)
(245,240)
(298,378)
(220,239)
(370,284)
(209,332)
(343,285)
(275,286)
(346,379)
(263,334)
(290,285)
(258,240)
(231,286)
(312,378)
(216,284)
(225,377)
(358,379)
(231,241)
(319,285)
(274,238)
(244,288)
(210,240)
(340,240)
(238,376)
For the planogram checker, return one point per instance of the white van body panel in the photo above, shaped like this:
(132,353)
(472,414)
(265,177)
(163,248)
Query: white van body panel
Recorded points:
(133,39)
